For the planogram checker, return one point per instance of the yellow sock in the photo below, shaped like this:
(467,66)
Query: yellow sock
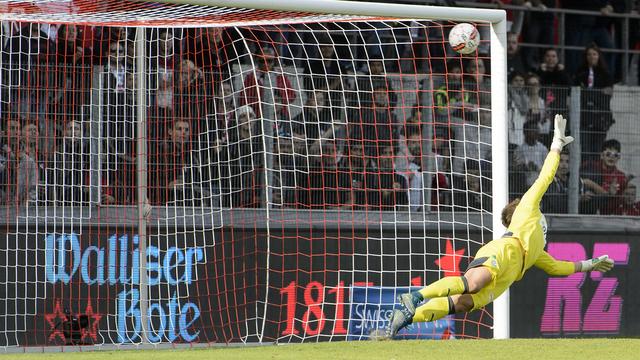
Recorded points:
(447,286)
(433,309)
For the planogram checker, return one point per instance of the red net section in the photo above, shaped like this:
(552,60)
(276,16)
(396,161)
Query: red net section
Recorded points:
(298,178)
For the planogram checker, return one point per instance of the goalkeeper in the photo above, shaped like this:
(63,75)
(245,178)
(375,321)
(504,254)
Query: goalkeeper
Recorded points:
(502,261)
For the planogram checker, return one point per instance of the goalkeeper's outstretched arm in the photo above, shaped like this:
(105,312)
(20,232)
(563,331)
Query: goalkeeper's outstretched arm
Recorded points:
(555,267)
(533,196)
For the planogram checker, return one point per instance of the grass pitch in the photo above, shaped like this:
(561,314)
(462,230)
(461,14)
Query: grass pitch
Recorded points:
(524,349)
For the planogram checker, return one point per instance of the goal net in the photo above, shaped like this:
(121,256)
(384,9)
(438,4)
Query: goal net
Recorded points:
(214,174)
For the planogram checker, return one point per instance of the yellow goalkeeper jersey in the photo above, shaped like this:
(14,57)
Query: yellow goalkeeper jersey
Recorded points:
(529,225)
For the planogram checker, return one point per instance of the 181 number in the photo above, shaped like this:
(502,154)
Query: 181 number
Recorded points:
(314,318)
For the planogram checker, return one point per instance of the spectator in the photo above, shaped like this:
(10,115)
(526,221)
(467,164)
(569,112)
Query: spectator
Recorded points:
(361,171)
(472,141)
(477,72)
(10,140)
(116,67)
(242,161)
(471,194)
(327,68)
(408,163)
(71,74)
(30,137)
(538,110)
(9,144)
(556,200)
(441,195)
(392,187)
(377,125)
(67,173)
(170,157)
(412,172)
(214,125)
(17,169)
(315,117)
(518,107)
(582,29)
(629,206)
(118,125)
(516,61)
(605,173)
(105,36)
(555,81)
(539,27)
(453,101)
(375,76)
(163,63)
(551,71)
(31,146)
(595,98)
(413,140)
(268,77)
(208,48)
(283,185)
(70,47)
(530,156)
(326,186)
(178,173)
(192,94)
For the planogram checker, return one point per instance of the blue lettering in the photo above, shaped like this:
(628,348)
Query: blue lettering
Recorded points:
(59,272)
(156,334)
(192,257)
(113,244)
(128,309)
(173,306)
(50,253)
(153,266)
(128,314)
(169,265)
(64,257)
(99,264)
(184,325)
(124,248)
(135,262)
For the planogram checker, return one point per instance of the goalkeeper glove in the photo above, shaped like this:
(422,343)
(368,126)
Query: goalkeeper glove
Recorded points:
(602,263)
(559,140)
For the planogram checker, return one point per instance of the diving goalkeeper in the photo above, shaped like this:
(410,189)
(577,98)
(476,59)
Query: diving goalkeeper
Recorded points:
(501,262)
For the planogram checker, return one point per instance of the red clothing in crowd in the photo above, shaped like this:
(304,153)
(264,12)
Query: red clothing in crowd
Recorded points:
(627,209)
(608,176)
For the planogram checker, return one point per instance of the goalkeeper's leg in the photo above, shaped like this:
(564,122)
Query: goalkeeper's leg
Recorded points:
(473,281)
(432,310)
(443,296)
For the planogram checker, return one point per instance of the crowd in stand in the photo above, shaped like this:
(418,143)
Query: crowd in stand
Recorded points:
(231,125)
(534,96)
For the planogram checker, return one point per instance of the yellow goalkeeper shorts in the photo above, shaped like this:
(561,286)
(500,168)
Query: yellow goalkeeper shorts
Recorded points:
(503,258)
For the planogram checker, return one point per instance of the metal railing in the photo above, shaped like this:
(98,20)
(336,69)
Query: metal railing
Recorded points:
(624,50)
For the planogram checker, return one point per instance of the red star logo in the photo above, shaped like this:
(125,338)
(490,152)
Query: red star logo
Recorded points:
(58,317)
(94,320)
(55,321)
(450,261)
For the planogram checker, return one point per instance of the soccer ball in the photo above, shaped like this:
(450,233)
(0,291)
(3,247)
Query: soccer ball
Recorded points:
(464,38)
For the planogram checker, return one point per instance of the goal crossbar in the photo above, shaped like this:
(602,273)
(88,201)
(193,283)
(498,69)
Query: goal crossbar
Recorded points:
(335,7)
